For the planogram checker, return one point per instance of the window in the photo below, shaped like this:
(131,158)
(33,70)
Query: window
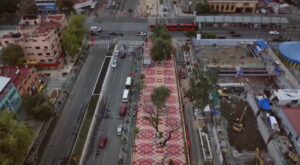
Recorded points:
(40,54)
(49,60)
(46,47)
(42,60)
(48,54)
(37,47)
(6,42)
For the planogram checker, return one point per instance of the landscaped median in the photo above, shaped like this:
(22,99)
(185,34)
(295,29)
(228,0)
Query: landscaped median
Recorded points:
(83,132)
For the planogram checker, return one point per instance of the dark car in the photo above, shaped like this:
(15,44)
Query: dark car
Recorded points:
(102,142)
(231,32)
(123,55)
(116,34)
(236,35)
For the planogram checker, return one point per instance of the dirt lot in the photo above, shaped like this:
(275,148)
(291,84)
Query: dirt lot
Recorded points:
(250,137)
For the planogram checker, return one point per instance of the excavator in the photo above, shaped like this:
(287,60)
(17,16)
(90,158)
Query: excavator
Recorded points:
(238,125)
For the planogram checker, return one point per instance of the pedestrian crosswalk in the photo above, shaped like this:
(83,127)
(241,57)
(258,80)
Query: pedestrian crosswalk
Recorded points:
(116,41)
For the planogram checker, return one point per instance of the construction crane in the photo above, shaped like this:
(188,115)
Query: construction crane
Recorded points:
(238,124)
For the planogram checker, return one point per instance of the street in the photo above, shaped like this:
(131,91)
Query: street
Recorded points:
(63,134)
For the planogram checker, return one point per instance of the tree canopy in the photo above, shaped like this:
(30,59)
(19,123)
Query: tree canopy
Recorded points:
(65,5)
(162,44)
(15,139)
(159,96)
(38,106)
(8,6)
(13,55)
(72,38)
(203,7)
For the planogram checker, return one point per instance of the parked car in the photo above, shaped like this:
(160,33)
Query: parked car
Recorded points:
(116,34)
(123,55)
(141,34)
(102,142)
(274,32)
(236,35)
(231,32)
(123,110)
(119,130)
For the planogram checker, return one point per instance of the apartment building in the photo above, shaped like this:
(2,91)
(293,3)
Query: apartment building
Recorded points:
(40,39)
(233,6)
(46,6)
(26,80)
(10,99)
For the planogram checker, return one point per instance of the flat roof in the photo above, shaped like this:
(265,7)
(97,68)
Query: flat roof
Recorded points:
(3,82)
(241,19)
(293,115)
(287,94)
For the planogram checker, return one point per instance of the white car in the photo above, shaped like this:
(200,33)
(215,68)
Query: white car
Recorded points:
(274,32)
(95,29)
(141,34)
(116,53)
(114,63)
(119,130)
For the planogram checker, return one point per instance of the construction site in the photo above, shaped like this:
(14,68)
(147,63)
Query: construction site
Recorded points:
(242,123)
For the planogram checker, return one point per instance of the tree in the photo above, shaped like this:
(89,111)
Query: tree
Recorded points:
(158,98)
(15,139)
(161,32)
(171,162)
(13,55)
(203,7)
(72,38)
(65,5)
(38,106)
(8,6)
(161,49)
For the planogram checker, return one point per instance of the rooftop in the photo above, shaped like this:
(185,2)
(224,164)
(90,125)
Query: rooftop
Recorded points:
(16,75)
(230,56)
(288,94)
(3,82)
(45,28)
(293,114)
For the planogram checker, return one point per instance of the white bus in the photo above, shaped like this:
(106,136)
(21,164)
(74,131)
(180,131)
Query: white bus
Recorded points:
(125,95)
(128,82)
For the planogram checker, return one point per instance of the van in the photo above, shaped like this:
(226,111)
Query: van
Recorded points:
(128,82)
(123,110)
(125,96)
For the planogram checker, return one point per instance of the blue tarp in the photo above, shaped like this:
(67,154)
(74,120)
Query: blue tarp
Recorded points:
(264,104)
(261,44)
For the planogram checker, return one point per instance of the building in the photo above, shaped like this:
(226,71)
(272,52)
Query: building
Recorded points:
(290,53)
(286,97)
(233,6)
(80,5)
(40,39)
(46,6)
(9,96)
(26,80)
(246,21)
(291,125)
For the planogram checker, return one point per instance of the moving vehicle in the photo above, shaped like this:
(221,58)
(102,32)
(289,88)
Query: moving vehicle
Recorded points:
(116,34)
(116,53)
(123,55)
(95,29)
(119,130)
(141,34)
(123,110)
(178,27)
(128,82)
(274,32)
(125,96)
(102,142)
(114,63)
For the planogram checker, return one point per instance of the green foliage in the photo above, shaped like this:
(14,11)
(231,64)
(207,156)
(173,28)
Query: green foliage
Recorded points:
(38,106)
(171,162)
(203,7)
(191,34)
(15,139)
(72,38)
(136,131)
(66,5)
(161,49)
(209,36)
(8,6)
(159,96)
(161,32)
(13,55)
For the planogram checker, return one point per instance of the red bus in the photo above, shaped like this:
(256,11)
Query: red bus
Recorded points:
(178,27)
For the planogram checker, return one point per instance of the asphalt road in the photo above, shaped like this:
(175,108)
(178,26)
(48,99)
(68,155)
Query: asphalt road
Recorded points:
(62,138)
(117,77)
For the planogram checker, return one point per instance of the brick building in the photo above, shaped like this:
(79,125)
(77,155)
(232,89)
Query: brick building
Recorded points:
(233,6)
(40,39)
